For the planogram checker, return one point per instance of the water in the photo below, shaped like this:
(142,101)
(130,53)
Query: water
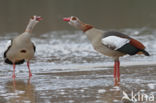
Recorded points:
(66,69)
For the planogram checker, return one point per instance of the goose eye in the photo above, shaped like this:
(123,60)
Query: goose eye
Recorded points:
(32,17)
(74,18)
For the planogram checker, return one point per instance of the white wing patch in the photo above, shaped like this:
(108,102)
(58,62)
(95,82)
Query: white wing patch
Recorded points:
(7,45)
(114,42)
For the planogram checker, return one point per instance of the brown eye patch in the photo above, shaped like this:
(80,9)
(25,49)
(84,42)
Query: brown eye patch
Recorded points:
(32,17)
(74,18)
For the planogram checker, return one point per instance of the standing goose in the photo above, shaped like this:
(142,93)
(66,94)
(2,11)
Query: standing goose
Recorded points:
(21,48)
(111,43)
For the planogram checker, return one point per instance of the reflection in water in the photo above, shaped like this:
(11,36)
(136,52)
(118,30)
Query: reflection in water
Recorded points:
(90,86)
(2,100)
(113,94)
(20,92)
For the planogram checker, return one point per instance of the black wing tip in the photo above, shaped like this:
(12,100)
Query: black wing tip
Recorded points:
(146,53)
(34,47)
(10,62)
(128,49)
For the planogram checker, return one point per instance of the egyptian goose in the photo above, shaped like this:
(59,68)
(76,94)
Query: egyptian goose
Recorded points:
(21,48)
(110,43)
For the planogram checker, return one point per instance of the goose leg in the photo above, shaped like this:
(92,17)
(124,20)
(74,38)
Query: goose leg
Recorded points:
(30,74)
(13,76)
(118,70)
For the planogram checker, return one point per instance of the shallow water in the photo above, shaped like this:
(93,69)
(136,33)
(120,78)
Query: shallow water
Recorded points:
(66,69)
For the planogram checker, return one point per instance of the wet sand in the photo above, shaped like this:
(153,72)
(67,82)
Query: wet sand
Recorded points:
(87,85)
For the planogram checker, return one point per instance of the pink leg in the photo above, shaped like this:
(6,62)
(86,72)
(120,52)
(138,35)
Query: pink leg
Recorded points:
(29,69)
(13,76)
(118,70)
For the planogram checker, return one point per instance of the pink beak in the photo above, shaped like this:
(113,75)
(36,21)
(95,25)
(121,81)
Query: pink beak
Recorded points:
(39,18)
(66,19)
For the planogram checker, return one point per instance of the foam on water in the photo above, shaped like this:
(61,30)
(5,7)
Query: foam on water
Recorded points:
(70,51)
(64,47)
(74,48)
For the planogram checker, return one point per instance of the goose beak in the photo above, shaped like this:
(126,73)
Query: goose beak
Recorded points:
(66,19)
(38,18)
